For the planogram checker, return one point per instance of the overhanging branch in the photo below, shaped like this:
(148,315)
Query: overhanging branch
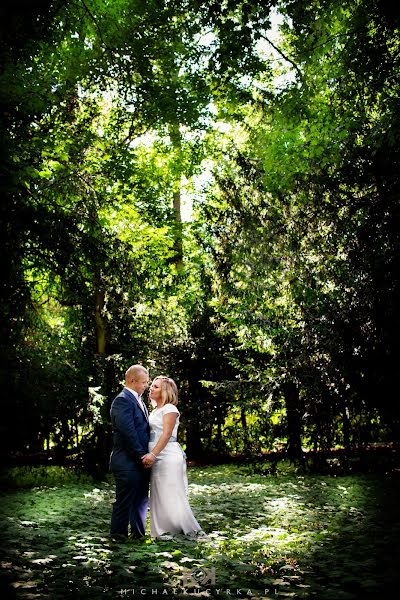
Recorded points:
(289,60)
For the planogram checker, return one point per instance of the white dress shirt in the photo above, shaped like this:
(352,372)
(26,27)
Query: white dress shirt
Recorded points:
(139,401)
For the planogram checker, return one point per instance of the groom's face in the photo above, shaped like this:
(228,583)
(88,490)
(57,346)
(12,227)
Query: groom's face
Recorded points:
(140,383)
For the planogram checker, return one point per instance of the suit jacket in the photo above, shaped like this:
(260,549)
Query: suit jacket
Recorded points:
(131,432)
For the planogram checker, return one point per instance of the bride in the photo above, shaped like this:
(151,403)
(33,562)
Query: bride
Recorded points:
(170,512)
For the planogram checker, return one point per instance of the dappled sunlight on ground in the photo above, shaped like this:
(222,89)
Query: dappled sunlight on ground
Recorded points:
(271,536)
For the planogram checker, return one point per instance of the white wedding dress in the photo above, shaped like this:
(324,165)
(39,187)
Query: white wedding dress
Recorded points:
(170,512)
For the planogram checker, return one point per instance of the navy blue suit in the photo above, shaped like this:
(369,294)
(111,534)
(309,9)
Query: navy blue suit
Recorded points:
(131,433)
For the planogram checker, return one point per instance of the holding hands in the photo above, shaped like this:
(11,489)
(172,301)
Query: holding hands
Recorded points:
(148,460)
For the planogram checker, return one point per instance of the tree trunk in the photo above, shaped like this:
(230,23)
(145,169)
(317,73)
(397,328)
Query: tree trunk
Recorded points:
(101,329)
(243,422)
(178,247)
(96,457)
(194,447)
(294,428)
(176,139)
(346,427)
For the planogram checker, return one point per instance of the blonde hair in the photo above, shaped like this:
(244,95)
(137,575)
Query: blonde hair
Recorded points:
(169,390)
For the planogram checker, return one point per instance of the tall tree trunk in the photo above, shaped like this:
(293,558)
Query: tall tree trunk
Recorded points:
(294,428)
(243,422)
(176,140)
(346,427)
(194,447)
(101,328)
(346,434)
(178,228)
(96,457)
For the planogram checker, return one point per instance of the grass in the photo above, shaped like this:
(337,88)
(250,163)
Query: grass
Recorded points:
(285,536)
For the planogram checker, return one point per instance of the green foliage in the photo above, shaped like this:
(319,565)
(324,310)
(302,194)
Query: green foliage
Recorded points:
(33,477)
(283,534)
(297,223)
(279,297)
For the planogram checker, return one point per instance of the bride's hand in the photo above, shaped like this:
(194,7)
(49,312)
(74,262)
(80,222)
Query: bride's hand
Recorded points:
(148,460)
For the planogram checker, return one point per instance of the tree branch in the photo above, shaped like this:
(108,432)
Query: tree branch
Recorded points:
(289,60)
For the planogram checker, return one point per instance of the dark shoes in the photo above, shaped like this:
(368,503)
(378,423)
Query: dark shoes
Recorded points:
(136,537)
(118,538)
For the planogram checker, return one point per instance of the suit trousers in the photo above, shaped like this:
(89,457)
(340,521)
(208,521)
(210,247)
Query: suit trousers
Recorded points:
(131,502)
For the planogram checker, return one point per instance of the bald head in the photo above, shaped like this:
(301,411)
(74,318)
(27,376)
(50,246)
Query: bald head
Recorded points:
(137,378)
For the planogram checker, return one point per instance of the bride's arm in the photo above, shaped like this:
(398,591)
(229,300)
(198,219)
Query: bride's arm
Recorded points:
(169,421)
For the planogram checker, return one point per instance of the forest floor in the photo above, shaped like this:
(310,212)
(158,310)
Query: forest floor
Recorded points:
(270,536)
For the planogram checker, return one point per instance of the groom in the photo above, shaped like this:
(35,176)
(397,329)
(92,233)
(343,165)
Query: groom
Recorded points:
(130,424)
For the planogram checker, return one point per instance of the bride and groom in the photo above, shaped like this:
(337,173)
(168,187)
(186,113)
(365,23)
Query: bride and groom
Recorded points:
(146,454)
